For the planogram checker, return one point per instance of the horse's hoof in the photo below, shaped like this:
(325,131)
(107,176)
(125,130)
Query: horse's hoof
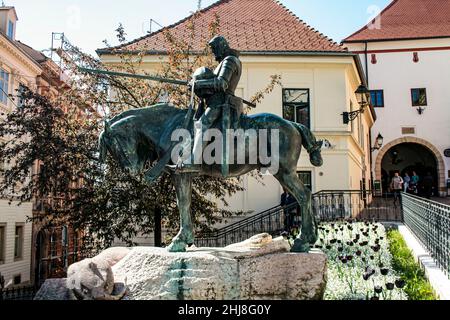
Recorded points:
(177,247)
(300,247)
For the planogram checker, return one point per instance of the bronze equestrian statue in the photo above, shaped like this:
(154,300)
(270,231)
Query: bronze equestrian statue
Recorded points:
(139,136)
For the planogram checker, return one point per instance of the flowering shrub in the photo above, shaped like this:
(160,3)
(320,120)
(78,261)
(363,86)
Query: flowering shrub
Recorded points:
(359,262)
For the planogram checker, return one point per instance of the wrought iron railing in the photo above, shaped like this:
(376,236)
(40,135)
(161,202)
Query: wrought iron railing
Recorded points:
(18,293)
(429,221)
(356,204)
(270,221)
(327,205)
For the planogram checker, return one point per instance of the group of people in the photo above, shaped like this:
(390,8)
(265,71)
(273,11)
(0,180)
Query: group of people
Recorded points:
(412,184)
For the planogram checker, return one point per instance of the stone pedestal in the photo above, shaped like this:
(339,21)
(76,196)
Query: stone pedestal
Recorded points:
(260,268)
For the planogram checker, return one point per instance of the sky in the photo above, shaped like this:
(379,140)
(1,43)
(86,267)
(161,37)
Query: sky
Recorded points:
(86,23)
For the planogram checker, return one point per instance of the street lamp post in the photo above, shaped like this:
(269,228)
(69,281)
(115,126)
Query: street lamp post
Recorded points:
(363,96)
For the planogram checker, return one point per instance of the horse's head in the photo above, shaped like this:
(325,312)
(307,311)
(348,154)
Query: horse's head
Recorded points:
(123,143)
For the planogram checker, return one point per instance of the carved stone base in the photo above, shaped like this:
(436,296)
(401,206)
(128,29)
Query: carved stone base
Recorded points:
(259,268)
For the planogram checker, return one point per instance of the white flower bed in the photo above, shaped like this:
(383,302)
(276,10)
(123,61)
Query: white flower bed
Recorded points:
(359,262)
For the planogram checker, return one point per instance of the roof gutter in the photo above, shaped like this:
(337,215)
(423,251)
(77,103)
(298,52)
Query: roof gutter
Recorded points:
(394,39)
(244,53)
(363,78)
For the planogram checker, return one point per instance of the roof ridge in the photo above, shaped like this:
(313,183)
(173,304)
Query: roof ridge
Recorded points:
(307,37)
(366,26)
(308,25)
(167,27)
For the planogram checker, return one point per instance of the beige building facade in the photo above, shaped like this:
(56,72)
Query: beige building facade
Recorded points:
(17,68)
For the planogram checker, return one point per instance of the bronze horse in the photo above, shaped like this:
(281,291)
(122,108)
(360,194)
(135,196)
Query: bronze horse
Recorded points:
(138,136)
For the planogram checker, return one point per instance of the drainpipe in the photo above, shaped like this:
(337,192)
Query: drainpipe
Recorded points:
(367,64)
(366,60)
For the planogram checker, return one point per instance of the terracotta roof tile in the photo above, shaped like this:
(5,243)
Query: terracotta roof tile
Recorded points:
(37,56)
(408,19)
(249,25)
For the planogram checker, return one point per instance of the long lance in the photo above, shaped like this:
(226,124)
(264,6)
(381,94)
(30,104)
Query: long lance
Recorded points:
(146,77)
(135,76)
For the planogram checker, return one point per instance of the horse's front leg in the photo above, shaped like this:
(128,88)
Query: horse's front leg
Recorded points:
(183,187)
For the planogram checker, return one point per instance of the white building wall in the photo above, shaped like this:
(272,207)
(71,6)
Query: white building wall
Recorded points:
(396,73)
(10,216)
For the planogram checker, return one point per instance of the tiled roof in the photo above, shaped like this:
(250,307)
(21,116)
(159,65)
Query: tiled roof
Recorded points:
(408,19)
(37,56)
(249,25)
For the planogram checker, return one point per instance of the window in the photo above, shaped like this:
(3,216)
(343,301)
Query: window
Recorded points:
(296,106)
(306,178)
(377,98)
(18,243)
(2,243)
(363,136)
(53,251)
(75,246)
(65,244)
(4,86)
(419,97)
(11,30)
(20,91)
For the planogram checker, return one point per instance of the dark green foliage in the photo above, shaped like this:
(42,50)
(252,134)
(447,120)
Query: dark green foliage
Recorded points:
(417,286)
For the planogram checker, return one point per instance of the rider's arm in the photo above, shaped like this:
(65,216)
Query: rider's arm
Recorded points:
(222,81)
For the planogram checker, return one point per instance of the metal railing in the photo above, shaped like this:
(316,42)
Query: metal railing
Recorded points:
(270,221)
(327,205)
(331,205)
(18,293)
(429,221)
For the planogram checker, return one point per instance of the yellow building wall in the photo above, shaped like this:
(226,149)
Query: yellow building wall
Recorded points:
(332,82)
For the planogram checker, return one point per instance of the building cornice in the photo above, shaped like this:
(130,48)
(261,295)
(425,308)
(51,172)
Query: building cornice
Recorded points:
(446,48)
(19,54)
(394,39)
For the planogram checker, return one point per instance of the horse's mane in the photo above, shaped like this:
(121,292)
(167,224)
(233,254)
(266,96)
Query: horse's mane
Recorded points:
(158,108)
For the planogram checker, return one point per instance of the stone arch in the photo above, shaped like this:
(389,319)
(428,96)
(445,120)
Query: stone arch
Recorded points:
(422,142)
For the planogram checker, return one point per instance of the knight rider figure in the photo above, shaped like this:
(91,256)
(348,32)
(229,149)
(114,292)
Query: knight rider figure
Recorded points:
(216,90)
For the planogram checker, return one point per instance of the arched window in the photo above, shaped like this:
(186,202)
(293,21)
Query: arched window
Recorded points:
(65,246)
(53,252)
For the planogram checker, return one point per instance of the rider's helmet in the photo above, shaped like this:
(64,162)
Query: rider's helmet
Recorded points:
(220,47)
(203,73)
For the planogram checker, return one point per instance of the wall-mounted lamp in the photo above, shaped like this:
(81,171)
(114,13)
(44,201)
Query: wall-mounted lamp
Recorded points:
(420,110)
(378,143)
(363,96)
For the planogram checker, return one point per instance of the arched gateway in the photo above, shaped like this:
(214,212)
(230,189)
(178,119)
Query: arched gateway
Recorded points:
(390,149)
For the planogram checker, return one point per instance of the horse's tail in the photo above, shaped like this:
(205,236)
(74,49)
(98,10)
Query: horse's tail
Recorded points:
(311,145)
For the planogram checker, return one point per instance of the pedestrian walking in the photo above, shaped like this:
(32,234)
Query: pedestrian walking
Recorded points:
(428,184)
(286,200)
(414,183)
(406,182)
(397,187)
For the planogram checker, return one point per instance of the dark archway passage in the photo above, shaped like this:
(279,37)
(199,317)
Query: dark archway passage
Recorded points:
(409,157)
